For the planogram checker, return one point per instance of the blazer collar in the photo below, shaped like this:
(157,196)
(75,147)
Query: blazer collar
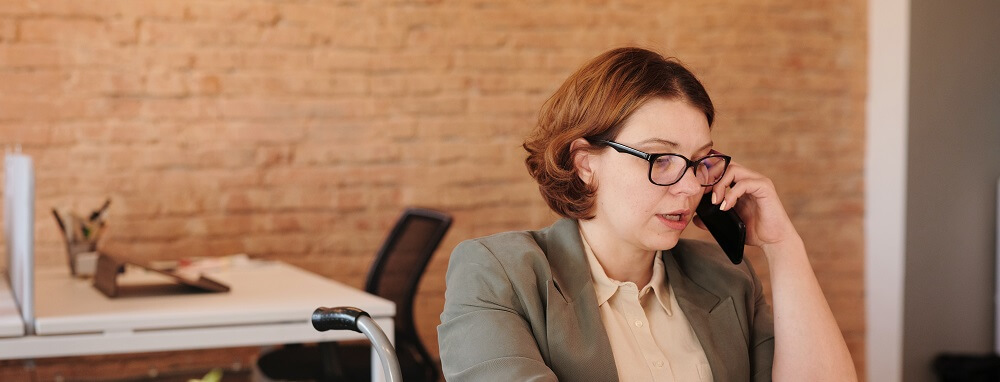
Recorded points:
(690,296)
(567,259)
(713,319)
(583,351)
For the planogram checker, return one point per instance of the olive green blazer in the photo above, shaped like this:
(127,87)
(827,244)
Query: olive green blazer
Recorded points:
(520,306)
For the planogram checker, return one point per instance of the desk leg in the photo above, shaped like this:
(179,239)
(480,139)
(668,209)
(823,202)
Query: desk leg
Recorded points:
(387,325)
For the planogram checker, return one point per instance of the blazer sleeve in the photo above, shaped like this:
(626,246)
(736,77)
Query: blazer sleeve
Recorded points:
(483,334)
(762,333)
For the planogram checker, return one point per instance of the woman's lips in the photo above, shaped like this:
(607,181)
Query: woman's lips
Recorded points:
(675,220)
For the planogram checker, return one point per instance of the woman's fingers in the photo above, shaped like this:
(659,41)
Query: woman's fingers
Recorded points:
(719,189)
(752,186)
(737,182)
(734,175)
(732,195)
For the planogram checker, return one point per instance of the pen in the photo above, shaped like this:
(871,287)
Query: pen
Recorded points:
(100,212)
(59,220)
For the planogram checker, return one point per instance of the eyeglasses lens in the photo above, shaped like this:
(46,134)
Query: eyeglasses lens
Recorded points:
(668,169)
(710,170)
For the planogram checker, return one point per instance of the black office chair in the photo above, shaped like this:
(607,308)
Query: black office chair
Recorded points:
(394,275)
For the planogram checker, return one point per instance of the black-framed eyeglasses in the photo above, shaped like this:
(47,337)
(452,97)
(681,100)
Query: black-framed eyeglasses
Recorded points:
(667,169)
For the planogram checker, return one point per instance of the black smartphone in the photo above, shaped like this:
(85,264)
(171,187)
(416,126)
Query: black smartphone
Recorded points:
(726,227)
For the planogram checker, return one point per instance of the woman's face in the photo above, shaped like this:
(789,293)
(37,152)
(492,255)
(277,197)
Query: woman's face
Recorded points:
(629,207)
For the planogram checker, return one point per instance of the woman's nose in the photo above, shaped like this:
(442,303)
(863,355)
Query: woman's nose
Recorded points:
(688,184)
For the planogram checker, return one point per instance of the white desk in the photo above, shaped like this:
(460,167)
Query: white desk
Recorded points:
(11,324)
(269,303)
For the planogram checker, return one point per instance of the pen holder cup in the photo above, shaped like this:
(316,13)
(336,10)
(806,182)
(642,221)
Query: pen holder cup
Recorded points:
(82,258)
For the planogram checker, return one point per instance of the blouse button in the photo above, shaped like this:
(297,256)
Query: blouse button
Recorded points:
(638,323)
(658,363)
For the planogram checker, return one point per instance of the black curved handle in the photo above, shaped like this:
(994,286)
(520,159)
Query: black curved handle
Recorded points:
(339,318)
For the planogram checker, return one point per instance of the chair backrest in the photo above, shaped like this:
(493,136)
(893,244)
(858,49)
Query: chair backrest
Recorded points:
(404,255)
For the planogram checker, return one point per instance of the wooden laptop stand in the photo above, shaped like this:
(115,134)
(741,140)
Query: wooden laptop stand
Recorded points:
(108,268)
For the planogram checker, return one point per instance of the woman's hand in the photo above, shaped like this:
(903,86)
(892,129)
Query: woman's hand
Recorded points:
(756,201)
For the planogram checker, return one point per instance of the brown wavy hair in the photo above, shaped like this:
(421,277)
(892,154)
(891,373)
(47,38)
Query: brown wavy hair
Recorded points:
(594,103)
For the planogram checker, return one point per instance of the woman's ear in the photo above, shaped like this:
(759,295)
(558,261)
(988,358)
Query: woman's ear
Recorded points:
(583,160)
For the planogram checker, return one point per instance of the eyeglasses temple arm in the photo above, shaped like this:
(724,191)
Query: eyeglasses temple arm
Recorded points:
(625,149)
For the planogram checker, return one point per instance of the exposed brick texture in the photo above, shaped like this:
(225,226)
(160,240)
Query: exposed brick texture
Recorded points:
(297,130)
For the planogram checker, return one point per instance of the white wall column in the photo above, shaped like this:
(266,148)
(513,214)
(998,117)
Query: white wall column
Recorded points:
(885,186)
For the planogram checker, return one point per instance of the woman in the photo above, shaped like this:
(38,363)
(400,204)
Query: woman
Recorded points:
(611,292)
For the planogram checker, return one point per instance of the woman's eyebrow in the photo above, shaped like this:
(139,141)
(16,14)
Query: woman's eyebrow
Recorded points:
(661,141)
(672,144)
(706,146)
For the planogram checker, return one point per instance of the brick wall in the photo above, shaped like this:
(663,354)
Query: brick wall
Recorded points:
(297,130)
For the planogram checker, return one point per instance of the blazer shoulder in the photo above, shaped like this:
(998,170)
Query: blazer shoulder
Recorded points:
(505,245)
(512,250)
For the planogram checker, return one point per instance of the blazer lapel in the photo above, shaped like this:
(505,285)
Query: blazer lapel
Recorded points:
(580,348)
(714,321)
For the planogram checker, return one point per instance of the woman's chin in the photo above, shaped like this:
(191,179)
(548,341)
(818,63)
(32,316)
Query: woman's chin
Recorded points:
(662,241)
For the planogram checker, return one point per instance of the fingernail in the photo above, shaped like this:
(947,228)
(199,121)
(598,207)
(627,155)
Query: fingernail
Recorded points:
(714,197)
(723,206)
